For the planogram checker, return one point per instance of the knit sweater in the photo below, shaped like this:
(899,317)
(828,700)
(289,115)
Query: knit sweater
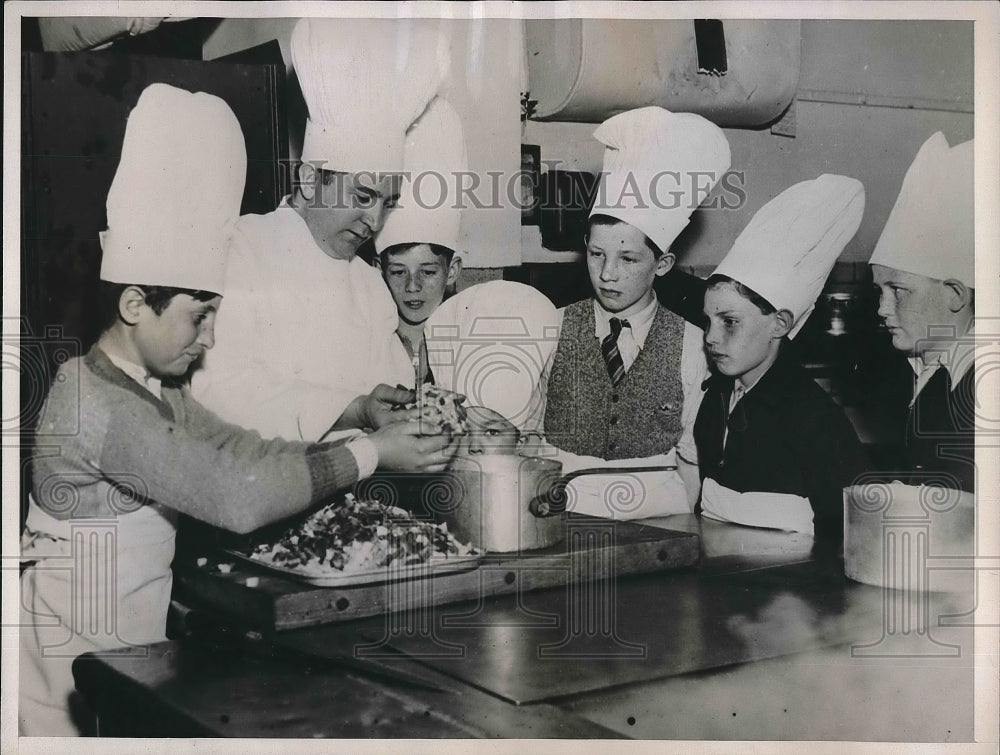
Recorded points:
(127,448)
(641,416)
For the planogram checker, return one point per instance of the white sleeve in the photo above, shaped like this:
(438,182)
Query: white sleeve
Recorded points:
(694,371)
(779,511)
(620,494)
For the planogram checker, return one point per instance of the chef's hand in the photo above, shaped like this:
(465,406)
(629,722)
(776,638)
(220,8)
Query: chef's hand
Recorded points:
(405,447)
(381,405)
(377,409)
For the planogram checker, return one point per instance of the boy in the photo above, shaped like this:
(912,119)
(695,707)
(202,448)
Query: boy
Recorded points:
(489,433)
(625,378)
(774,450)
(417,246)
(488,342)
(100,531)
(924,267)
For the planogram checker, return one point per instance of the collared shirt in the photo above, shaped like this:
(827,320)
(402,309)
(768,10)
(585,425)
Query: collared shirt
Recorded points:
(631,339)
(739,391)
(786,436)
(138,374)
(956,357)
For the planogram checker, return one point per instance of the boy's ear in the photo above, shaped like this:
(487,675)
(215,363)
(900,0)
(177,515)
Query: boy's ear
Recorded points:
(130,304)
(377,262)
(664,263)
(454,270)
(307,181)
(957,295)
(783,322)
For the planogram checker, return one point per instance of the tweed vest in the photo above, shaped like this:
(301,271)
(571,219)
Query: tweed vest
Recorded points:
(585,414)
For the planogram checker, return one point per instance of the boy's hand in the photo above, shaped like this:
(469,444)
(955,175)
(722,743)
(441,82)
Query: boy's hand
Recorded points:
(402,447)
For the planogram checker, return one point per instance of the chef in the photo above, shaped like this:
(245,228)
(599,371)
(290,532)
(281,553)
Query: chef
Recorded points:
(490,341)
(924,268)
(307,336)
(774,450)
(625,379)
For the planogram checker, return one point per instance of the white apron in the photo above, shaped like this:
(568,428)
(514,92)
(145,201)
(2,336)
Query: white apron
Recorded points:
(97,584)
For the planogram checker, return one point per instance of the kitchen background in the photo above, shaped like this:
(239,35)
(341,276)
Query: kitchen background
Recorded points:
(796,99)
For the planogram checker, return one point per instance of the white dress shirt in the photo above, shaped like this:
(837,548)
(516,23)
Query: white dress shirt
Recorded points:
(139,374)
(957,357)
(631,339)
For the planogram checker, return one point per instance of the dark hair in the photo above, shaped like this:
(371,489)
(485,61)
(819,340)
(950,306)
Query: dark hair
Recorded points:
(438,249)
(765,307)
(157,298)
(599,219)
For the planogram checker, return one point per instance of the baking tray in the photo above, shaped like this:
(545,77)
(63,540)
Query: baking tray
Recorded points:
(381,575)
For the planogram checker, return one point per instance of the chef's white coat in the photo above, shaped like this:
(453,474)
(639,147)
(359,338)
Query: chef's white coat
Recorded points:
(299,334)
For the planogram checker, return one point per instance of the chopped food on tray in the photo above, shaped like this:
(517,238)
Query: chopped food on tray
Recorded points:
(356,536)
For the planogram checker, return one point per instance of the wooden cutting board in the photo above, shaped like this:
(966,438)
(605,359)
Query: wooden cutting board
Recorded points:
(593,549)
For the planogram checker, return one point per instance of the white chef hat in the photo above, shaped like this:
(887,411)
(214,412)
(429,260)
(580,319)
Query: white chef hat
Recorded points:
(365,81)
(176,195)
(930,230)
(658,167)
(434,156)
(490,342)
(790,246)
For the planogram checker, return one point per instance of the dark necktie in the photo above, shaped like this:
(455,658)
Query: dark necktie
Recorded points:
(609,349)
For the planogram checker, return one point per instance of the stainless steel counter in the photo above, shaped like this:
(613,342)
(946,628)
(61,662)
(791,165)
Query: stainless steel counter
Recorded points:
(764,639)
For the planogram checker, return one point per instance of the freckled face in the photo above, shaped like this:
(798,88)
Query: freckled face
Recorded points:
(417,279)
(623,268)
(911,305)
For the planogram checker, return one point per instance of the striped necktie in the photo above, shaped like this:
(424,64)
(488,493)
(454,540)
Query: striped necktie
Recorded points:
(609,349)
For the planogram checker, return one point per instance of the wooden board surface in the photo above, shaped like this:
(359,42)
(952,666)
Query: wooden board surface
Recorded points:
(593,549)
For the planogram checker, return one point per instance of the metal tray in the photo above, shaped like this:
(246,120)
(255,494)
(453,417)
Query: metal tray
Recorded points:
(391,573)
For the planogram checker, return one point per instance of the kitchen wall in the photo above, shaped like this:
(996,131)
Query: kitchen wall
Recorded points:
(869,94)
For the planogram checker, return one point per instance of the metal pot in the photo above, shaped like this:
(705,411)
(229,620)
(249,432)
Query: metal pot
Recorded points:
(894,536)
(504,502)
(492,497)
